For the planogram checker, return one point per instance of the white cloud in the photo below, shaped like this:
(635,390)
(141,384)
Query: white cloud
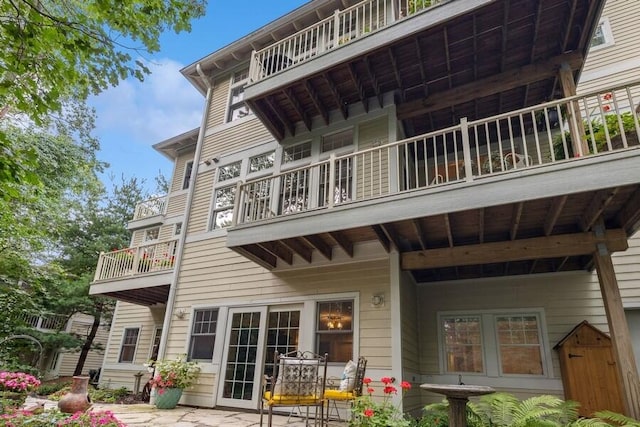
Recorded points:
(162,106)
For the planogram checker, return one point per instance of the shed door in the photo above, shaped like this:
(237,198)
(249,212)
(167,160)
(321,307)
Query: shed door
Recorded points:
(593,379)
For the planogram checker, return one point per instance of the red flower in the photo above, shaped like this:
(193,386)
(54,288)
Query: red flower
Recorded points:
(370,390)
(608,96)
(368,413)
(606,108)
(387,380)
(390,389)
(406,385)
(366,381)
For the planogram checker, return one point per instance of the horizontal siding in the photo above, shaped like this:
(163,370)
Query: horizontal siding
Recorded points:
(176,205)
(68,360)
(201,203)
(219,101)
(235,137)
(131,315)
(410,351)
(627,267)
(180,164)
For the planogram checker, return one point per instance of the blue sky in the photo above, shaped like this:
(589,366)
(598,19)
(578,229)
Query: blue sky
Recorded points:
(135,115)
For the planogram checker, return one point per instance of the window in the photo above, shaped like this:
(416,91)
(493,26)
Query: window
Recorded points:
(237,107)
(283,330)
(203,334)
(261,162)
(187,175)
(151,234)
(337,140)
(155,343)
(223,206)
(496,344)
(296,152)
(334,330)
(229,171)
(603,36)
(129,343)
(177,229)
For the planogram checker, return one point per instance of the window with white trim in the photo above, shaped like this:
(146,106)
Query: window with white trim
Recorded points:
(493,343)
(177,229)
(203,334)
(262,162)
(296,152)
(334,330)
(603,36)
(224,199)
(155,343)
(129,344)
(337,140)
(188,168)
(237,107)
(151,234)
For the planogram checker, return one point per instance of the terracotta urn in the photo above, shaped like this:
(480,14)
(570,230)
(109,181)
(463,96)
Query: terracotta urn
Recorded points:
(78,398)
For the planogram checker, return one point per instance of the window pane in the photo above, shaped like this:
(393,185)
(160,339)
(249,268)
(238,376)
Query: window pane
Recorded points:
(203,334)
(187,175)
(229,171)
(261,162)
(225,197)
(463,344)
(129,341)
(598,36)
(151,234)
(334,330)
(519,342)
(337,140)
(296,152)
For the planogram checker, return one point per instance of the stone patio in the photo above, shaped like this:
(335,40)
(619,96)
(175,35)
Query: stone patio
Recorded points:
(146,415)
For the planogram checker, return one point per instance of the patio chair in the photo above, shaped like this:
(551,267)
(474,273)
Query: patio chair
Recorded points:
(298,380)
(350,386)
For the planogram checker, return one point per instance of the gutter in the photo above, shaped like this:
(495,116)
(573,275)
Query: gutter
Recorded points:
(168,315)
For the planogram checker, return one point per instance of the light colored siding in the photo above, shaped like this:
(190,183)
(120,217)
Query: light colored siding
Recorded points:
(372,165)
(410,350)
(81,324)
(178,177)
(176,204)
(219,100)
(567,299)
(116,374)
(235,137)
(624,53)
(627,267)
(201,203)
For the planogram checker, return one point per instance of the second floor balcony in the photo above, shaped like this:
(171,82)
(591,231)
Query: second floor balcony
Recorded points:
(555,169)
(149,213)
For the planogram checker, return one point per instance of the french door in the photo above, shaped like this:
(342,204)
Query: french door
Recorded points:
(249,332)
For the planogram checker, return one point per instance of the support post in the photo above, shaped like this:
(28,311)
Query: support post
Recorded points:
(619,331)
(576,127)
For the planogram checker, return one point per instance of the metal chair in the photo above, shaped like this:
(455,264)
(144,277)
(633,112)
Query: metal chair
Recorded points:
(299,380)
(348,394)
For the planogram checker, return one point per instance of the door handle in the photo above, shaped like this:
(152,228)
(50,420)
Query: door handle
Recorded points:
(575,355)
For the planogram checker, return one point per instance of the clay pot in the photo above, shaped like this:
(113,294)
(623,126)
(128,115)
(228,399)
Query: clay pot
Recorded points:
(78,398)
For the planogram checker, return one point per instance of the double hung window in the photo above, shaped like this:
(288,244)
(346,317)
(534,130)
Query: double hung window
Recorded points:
(237,107)
(129,344)
(334,330)
(203,334)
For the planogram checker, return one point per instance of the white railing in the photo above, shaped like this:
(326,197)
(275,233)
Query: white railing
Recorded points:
(135,261)
(341,28)
(600,122)
(45,322)
(151,207)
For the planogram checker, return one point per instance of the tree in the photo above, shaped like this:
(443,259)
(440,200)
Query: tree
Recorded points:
(56,49)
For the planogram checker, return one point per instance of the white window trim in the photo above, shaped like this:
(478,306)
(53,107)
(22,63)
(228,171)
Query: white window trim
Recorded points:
(135,350)
(144,236)
(217,334)
(490,354)
(156,329)
(184,175)
(608,35)
(234,85)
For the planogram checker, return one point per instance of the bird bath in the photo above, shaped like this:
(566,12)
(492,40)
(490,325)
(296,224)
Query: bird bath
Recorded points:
(458,396)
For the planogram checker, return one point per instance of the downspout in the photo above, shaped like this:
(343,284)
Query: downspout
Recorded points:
(187,212)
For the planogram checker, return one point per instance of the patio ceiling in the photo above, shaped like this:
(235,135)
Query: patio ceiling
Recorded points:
(444,64)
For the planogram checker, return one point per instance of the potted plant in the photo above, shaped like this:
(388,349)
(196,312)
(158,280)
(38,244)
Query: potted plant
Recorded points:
(171,378)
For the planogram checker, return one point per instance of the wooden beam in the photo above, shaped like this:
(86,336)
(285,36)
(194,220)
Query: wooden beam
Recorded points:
(279,250)
(382,237)
(374,81)
(629,216)
(596,207)
(343,242)
(316,101)
(554,212)
(515,220)
(488,86)
(516,250)
(447,226)
(344,109)
(280,116)
(359,86)
(392,235)
(481,225)
(576,126)
(256,107)
(317,242)
(396,72)
(258,255)
(619,332)
(420,233)
(303,251)
(296,106)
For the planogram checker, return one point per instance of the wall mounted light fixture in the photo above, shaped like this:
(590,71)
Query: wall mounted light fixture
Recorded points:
(377,300)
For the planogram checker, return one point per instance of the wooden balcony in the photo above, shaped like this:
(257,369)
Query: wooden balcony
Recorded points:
(440,62)
(518,178)
(148,213)
(141,274)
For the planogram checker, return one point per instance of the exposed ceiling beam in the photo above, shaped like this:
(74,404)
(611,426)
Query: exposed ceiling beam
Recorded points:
(554,212)
(341,105)
(296,106)
(396,72)
(280,115)
(420,233)
(488,86)
(598,204)
(382,237)
(629,216)
(343,242)
(359,86)
(374,81)
(279,250)
(447,226)
(481,225)
(515,219)
(516,250)
(317,102)
(392,235)
(276,131)
(319,244)
(569,26)
(303,251)
(258,255)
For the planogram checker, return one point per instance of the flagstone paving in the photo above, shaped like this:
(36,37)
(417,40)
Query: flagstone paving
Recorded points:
(145,415)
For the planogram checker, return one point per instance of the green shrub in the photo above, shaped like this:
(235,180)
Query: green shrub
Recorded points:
(108,395)
(51,388)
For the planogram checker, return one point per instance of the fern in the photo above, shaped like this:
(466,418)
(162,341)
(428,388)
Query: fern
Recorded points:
(618,419)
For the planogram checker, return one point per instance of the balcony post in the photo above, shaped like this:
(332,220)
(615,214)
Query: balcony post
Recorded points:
(253,69)
(99,267)
(466,149)
(576,127)
(136,262)
(237,204)
(332,180)
(336,27)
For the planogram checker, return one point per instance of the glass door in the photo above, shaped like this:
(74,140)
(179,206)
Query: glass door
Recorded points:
(240,383)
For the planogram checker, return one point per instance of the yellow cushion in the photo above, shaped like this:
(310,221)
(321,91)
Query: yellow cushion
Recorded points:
(339,395)
(288,399)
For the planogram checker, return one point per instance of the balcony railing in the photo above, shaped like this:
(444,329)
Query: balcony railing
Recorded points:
(151,207)
(553,132)
(136,261)
(343,27)
(45,322)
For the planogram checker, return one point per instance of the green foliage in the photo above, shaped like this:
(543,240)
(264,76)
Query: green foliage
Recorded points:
(418,5)
(51,388)
(176,373)
(108,395)
(54,49)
